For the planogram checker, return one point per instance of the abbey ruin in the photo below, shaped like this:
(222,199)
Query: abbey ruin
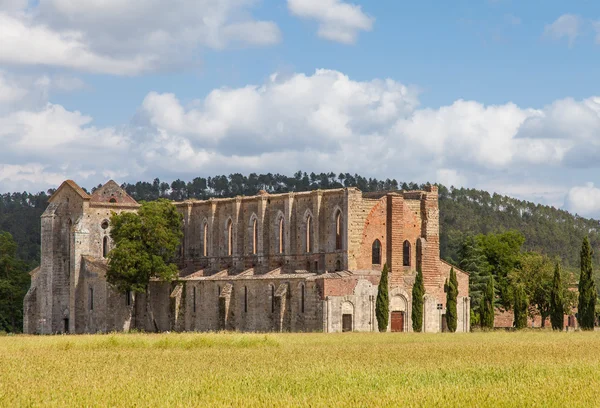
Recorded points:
(302,262)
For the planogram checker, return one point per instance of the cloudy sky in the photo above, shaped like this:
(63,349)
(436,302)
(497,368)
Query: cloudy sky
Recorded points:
(500,95)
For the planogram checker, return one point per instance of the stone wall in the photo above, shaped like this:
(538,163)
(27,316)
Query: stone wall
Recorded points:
(272,262)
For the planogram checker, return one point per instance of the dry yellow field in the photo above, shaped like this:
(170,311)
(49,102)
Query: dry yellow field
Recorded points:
(365,370)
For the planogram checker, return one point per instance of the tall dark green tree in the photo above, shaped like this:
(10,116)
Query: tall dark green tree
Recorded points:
(382,305)
(418,291)
(487,305)
(557,308)
(587,289)
(145,246)
(14,282)
(520,308)
(451,296)
(471,259)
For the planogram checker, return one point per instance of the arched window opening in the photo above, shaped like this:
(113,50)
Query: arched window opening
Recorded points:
(194,299)
(338,265)
(376,253)
(302,295)
(254,236)
(104,247)
(406,253)
(245,299)
(205,240)
(281,236)
(218,290)
(128,297)
(272,298)
(112,200)
(419,254)
(338,231)
(91,299)
(309,234)
(229,237)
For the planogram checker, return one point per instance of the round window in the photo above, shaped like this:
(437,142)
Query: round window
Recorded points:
(104,224)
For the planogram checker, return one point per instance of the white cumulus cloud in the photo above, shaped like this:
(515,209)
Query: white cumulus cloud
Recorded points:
(584,200)
(566,26)
(125,37)
(325,121)
(338,20)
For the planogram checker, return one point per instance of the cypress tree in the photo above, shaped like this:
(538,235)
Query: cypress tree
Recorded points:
(418,291)
(451,295)
(556,301)
(520,308)
(587,289)
(487,305)
(382,305)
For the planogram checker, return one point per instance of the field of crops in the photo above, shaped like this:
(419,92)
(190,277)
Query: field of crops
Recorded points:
(478,369)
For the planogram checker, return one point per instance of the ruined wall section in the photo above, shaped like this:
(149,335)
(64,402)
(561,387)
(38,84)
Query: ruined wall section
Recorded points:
(367,218)
(92,236)
(58,259)
(253,304)
(267,210)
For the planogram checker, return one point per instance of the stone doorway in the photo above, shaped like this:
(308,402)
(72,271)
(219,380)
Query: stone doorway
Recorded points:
(397,321)
(346,322)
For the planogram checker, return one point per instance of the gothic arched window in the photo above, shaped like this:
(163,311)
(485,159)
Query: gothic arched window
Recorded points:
(104,247)
(281,246)
(254,236)
(230,237)
(309,238)
(406,253)
(376,253)
(205,240)
(338,230)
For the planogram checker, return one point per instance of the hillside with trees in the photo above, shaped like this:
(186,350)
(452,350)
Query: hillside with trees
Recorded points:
(480,232)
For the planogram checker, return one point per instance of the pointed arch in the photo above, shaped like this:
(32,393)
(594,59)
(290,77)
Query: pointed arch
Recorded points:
(338,229)
(205,237)
(308,232)
(376,252)
(253,234)
(406,253)
(229,236)
(280,233)
(105,246)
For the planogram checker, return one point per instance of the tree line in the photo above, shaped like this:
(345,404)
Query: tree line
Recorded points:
(465,214)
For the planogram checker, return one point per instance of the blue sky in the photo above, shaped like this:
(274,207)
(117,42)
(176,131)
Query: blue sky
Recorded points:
(493,94)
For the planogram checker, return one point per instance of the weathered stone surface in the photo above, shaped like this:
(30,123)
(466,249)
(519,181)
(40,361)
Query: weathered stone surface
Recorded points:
(272,262)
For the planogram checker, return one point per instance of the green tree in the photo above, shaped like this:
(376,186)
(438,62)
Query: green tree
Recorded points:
(487,305)
(451,295)
(587,289)
(418,291)
(535,273)
(473,260)
(503,253)
(14,282)
(382,305)
(145,245)
(520,308)
(557,304)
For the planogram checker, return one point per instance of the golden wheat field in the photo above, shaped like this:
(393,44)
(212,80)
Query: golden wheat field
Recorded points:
(351,369)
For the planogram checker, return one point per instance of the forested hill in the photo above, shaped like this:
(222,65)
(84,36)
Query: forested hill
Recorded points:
(462,211)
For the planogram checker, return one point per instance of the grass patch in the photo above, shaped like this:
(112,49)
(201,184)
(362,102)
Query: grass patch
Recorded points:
(352,369)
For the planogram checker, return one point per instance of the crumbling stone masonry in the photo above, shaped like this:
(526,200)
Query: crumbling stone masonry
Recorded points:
(299,262)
